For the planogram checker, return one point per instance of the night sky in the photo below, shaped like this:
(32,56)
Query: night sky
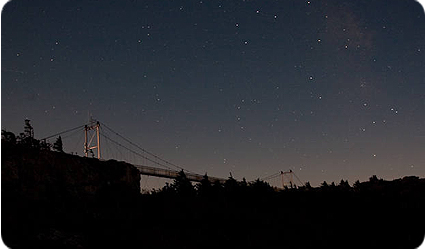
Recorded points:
(330,89)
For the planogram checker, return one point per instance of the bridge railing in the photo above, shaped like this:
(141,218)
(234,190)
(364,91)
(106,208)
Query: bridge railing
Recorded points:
(172,174)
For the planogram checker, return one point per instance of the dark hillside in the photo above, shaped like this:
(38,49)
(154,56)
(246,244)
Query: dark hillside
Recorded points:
(48,197)
(38,174)
(56,200)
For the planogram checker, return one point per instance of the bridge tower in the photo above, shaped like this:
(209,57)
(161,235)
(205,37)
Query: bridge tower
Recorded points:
(93,125)
(291,177)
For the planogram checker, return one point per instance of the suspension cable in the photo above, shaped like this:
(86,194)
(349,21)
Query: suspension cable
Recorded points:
(63,132)
(298,179)
(270,176)
(134,152)
(145,151)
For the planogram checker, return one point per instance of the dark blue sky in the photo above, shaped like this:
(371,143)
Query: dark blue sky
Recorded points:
(330,89)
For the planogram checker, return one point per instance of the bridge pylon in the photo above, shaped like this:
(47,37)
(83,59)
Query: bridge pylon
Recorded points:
(291,178)
(93,125)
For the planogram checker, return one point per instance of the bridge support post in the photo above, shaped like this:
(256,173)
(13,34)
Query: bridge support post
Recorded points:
(87,144)
(283,180)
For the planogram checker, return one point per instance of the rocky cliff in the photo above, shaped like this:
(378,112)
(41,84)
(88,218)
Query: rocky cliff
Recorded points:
(37,174)
(54,200)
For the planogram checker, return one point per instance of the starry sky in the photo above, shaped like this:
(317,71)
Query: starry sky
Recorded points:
(330,89)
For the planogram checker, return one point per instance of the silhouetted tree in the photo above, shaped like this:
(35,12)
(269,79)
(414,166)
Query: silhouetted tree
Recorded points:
(20,139)
(182,185)
(28,129)
(217,188)
(307,185)
(259,186)
(356,185)
(243,188)
(26,139)
(166,190)
(58,146)
(231,186)
(344,185)
(373,179)
(324,185)
(204,187)
(45,145)
(8,137)
(243,183)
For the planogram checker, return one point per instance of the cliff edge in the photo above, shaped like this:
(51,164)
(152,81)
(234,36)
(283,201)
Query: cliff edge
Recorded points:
(45,193)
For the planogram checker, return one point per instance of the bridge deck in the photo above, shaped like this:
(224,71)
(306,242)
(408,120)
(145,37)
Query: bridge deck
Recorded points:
(172,174)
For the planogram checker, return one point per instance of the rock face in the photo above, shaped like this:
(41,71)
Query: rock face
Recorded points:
(56,200)
(36,174)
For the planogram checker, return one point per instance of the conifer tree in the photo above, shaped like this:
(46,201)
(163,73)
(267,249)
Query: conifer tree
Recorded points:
(182,185)
(58,146)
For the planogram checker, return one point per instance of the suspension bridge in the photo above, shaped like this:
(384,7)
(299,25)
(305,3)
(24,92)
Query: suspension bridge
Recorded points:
(98,143)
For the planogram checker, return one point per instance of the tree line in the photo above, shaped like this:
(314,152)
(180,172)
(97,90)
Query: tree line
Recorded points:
(183,187)
(26,139)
